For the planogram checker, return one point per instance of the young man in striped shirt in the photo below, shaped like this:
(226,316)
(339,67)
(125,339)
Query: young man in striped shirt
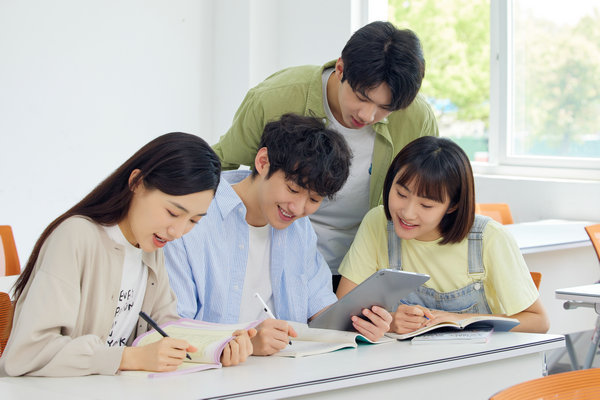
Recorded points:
(257,238)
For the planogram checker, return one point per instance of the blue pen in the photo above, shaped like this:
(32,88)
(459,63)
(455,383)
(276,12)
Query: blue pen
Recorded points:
(155,326)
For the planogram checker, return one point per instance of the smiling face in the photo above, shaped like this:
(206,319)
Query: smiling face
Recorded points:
(415,217)
(274,200)
(155,218)
(282,201)
(353,109)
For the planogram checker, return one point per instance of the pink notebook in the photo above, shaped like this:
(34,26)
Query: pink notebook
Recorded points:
(210,339)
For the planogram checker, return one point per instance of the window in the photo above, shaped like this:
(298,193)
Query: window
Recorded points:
(515,83)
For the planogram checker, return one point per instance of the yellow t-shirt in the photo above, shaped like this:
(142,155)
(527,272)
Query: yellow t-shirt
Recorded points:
(507,282)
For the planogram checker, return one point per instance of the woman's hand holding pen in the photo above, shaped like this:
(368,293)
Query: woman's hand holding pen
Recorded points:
(238,349)
(162,356)
(377,325)
(410,318)
(273,335)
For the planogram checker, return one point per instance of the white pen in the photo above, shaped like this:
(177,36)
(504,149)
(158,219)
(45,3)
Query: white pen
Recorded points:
(266,309)
(265,306)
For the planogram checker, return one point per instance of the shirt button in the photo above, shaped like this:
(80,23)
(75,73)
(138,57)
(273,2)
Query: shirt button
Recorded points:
(236,287)
(241,246)
(477,286)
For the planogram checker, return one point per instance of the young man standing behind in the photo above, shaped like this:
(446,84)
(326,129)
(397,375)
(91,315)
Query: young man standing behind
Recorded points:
(256,238)
(369,95)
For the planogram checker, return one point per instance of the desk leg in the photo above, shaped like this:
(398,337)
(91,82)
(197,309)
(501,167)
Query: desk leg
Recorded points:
(571,351)
(593,346)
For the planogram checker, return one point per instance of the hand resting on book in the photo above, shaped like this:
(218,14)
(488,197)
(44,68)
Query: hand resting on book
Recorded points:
(239,348)
(167,354)
(273,335)
(162,356)
(409,318)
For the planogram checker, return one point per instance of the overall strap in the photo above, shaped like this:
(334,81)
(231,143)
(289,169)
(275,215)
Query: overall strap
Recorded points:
(394,247)
(476,244)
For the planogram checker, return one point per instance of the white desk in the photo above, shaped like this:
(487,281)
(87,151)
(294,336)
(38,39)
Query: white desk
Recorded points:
(429,371)
(588,293)
(548,235)
(563,253)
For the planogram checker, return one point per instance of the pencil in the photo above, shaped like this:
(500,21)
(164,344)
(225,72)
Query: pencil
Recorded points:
(157,328)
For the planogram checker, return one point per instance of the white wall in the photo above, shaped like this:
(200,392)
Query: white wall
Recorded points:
(83,84)
(532,199)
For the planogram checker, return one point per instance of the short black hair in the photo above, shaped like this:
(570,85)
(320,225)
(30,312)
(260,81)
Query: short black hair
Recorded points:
(379,52)
(439,169)
(314,157)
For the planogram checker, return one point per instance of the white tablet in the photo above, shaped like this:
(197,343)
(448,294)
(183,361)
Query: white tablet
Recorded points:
(385,288)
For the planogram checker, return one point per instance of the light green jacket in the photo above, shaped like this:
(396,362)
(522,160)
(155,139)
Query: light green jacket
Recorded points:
(299,90)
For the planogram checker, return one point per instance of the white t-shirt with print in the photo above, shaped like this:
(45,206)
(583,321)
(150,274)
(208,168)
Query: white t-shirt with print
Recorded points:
(133,288)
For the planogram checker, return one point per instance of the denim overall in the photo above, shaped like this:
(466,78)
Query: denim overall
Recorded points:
(471,298)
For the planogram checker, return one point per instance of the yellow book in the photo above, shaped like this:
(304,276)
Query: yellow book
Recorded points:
(210,339)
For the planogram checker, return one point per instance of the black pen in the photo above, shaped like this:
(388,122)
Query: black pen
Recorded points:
(155,326)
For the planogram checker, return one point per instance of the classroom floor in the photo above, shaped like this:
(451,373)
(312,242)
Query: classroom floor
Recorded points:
(558,360)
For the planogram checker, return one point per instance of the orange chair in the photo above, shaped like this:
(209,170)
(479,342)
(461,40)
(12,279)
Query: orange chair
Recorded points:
(582,385)
(11,259)
(497,211)
(6,313)
(537,278)
(593,232)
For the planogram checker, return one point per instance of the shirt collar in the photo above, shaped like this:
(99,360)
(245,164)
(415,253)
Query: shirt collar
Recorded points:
(226,199)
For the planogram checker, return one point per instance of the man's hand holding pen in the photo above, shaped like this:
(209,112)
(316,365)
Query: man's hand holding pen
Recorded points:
(273,335)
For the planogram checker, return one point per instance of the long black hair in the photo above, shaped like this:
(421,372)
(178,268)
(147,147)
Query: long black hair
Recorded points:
(175,163)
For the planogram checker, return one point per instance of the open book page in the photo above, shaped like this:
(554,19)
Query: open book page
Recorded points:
(312,341)
(500,324)
(445,336)
(209,338)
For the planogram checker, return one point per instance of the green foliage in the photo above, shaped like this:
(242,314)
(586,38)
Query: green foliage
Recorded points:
(455,39)
(558,95)
(556,88)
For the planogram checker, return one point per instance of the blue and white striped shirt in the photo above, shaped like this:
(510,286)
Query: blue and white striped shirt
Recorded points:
(207,266)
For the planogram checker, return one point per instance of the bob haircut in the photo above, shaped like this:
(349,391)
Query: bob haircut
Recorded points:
(316,158)
(175,163)
(381,53)
(439,170)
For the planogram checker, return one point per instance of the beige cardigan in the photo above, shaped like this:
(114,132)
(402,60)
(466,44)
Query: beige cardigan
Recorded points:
(66,310)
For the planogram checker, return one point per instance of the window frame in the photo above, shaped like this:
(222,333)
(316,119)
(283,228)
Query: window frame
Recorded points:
(501,114)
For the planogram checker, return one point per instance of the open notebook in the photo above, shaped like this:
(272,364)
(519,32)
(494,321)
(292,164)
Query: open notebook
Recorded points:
(498,324)
(311,341)
(208,337)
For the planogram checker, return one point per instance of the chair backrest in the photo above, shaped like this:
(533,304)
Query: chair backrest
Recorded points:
(497,211)
(11,265)
(593,232)
(6,314)
(537,278)
(580,384)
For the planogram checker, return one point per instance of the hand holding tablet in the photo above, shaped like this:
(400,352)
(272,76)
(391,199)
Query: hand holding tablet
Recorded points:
(385,288)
